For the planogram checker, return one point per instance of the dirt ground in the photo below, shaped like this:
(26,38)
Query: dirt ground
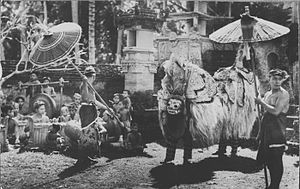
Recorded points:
(36,170)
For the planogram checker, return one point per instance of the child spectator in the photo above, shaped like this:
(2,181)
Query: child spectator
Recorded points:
(23,106)
(74,107)
(116,100)
(112,127)
(10,100)
(124,117)
(127,103)
(7,111)
(47,89)
(127,100)
(64,114)
(40,113)
(53,139)
(16,111)
(134,141)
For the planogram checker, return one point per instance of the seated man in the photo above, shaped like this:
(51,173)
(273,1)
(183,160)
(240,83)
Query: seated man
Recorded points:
(74,107)
(112,127)
(135,141)
(53,139)
(7,112)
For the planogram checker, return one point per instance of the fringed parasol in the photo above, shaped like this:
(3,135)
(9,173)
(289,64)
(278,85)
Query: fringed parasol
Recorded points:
(262,30)
(55,44)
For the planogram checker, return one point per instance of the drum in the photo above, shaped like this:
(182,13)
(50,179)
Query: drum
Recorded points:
(51,107)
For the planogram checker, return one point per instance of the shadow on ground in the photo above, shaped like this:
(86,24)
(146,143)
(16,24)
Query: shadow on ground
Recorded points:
(68,172)
(116,152)
(250,143)
(166,176)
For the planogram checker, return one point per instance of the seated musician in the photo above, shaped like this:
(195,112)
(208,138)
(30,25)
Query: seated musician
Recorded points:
(16,112)
(40,113)
(112,127)
(53,139)
(74,106)
(10,100)
(7,112)
(23,106)
(135,141)
(48,89)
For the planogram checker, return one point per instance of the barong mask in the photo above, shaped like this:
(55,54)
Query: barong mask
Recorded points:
(174,106)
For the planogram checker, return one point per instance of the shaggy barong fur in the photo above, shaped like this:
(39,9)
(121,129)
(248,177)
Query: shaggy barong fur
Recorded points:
(219,107)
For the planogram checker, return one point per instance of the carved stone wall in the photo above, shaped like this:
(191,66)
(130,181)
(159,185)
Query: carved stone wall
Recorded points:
(139,67)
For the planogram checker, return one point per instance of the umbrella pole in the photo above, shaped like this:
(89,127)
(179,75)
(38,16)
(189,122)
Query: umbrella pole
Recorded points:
(97,94)
(258,107)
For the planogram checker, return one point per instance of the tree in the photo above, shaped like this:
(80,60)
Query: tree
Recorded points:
(106,31)
(92,48)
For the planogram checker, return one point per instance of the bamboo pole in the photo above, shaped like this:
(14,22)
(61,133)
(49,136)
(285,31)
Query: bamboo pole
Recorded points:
(45,13)
(74,6)
(252,57)
(298,21)
(92,48)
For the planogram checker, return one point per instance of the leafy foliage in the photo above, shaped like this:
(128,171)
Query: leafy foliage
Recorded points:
(106,30)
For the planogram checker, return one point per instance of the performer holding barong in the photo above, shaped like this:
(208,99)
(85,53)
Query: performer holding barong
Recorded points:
(88,95)
(272,132)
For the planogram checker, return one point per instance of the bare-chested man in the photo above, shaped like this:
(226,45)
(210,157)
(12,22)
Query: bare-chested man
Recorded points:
(272,133)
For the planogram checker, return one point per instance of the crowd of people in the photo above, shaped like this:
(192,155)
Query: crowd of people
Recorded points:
(116,118)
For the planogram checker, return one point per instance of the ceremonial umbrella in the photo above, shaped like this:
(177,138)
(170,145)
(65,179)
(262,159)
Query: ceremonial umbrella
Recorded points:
(55,44)
(246,30)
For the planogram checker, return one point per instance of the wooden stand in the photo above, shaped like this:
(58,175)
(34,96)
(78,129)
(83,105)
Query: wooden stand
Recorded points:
(38,135)
(19,130)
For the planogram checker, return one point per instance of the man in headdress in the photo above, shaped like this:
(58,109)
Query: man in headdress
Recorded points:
(88,95)
(272,132)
